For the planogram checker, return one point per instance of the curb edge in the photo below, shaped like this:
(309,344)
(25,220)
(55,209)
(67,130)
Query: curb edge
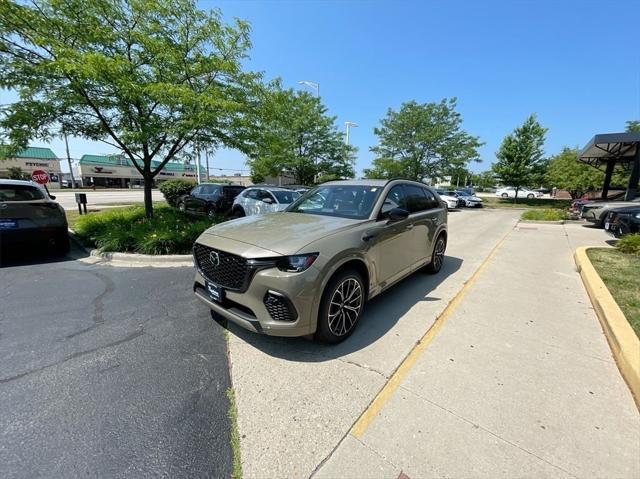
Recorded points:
(623,342)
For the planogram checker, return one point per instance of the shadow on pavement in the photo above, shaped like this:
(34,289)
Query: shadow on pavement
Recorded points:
(380,315)
(33,256)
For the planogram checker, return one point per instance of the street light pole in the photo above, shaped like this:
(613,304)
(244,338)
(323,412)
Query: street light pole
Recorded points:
(349,124)
(206,156)
(73,181)
(311,84)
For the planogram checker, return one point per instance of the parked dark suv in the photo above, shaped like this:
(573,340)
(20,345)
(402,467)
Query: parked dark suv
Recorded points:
(623,221)
(209,199)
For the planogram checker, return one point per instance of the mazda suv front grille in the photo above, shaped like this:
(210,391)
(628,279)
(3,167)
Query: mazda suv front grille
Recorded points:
(224,269)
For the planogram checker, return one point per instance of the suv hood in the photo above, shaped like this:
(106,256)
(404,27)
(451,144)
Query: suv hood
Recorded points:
(283,233)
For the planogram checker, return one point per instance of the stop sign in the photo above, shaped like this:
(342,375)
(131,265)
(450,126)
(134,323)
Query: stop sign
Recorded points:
(40,176)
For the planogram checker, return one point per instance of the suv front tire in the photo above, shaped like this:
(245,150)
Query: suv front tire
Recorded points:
(341,307)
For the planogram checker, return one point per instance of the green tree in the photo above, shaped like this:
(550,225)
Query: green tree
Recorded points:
(296,136)
(520,157)
(149,77)
(484,179)
(633,126)
(422,141)
(567,173)
(16,173)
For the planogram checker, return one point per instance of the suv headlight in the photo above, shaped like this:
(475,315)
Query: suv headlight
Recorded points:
(637,215)
(296,263)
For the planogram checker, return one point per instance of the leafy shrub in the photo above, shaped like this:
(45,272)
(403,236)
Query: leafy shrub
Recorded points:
(127,230)
(174,189)
(549,214)
(629,244)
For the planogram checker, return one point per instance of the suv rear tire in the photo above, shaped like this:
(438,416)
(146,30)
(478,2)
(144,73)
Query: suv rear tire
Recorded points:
(341,307)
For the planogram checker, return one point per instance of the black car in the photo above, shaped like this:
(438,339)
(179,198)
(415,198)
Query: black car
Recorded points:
(209,199)
(622,221)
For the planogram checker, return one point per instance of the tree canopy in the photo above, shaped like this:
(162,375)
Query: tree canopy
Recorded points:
(520,158)
(567,173)
(633,126)
(149,77)
(296,136)
(422,141)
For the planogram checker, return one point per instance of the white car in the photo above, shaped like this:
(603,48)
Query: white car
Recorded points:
(510,192)
(262,199)
(451,201)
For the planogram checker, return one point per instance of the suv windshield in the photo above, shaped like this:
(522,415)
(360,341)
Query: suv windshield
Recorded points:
(346,201)
(20,193)
(285,197)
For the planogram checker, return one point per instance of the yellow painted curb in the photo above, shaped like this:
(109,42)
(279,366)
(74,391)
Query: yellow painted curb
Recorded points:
(622,339)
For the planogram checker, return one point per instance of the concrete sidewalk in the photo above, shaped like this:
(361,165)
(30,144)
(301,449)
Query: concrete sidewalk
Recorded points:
(518,382)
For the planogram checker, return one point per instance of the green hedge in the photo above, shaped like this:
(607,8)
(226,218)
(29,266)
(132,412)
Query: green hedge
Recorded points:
(174,189)
(629,244)
(127,230)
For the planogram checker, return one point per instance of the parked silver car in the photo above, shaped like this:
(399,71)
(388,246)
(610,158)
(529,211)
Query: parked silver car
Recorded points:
(596,211)
(30,218)
(262,199)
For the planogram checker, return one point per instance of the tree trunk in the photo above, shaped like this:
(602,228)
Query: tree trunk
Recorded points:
(148,198)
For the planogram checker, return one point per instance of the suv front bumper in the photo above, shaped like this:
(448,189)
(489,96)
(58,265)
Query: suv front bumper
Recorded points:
(248,309)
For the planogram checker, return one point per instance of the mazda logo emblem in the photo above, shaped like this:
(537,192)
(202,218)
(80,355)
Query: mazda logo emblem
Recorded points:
(214,258)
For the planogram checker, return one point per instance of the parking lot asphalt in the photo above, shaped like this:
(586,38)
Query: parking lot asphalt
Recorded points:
(297,399)
(109,372)
(518,380)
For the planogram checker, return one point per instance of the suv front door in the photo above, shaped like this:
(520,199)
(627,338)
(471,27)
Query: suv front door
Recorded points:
(394,239)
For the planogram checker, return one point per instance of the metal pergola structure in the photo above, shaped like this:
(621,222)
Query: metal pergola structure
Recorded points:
(606,150)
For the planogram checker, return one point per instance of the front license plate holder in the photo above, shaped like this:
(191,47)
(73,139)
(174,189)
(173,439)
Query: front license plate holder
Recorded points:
(8,223)
(216,293)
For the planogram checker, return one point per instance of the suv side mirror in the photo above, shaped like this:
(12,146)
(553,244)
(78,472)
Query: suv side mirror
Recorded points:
(268,201)
(397,214)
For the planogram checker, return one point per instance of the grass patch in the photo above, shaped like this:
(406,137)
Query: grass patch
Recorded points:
(619,271)
(538,203)
(547,214)
(127,230)
(236,472)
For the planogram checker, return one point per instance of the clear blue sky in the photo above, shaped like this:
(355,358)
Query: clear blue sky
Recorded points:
(574,63)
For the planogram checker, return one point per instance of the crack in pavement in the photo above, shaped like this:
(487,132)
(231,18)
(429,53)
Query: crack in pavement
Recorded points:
(126,339)
(97,302)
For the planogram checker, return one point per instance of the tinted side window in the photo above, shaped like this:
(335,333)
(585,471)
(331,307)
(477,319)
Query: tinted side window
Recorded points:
(253,194)
(395,199)
(432,201)
(416,198)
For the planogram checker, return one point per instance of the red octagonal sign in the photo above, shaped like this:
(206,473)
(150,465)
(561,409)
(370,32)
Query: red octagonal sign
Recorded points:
(40,176)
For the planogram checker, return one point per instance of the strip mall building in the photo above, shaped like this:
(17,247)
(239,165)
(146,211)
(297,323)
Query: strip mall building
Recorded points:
(31,159)
(118,172)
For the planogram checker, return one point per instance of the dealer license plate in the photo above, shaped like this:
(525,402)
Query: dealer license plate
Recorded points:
(216,292)
(8,224)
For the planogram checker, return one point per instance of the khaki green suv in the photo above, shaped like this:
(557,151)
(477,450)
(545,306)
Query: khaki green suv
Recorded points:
(311,268)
